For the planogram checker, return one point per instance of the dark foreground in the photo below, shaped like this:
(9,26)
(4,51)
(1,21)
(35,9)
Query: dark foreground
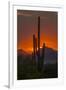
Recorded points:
(27,69)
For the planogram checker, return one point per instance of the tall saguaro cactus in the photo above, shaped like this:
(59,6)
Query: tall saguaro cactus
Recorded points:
(38,43)
(43,56)
(35,45)
(34,48)
(39,61)
(34,54)
(38,36)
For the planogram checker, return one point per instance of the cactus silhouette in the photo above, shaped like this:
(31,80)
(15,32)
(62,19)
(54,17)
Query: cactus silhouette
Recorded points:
(37,58)
(38,53)
(43,56)
(34,48)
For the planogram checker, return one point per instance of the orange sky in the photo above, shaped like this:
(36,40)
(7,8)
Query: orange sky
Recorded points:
(28,45)
(27,26)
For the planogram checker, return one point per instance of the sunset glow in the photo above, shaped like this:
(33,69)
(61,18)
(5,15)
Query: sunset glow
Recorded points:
(27,25)
(37,44)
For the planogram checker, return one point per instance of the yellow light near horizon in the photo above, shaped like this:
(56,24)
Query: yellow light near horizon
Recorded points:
(30,49)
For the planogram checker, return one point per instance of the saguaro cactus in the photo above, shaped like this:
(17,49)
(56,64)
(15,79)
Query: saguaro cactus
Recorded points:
(38,36)
(35,45)
(43,56)
(34,48)
(34,54)
(39,61)
(38,43)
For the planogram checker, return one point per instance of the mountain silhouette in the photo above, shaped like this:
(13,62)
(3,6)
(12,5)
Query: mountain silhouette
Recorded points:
(50,55)
(22,52)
